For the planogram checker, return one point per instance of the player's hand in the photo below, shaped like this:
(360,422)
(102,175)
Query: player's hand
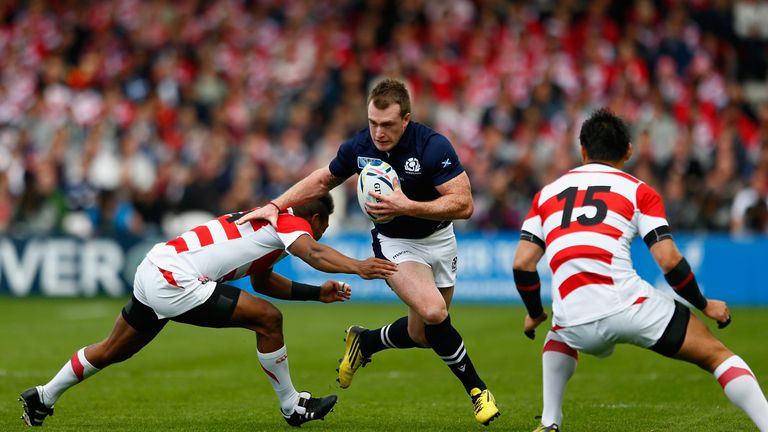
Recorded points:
(389,206)
(376,268)
(334,291)
(718,311)
(530,324)
(267,212)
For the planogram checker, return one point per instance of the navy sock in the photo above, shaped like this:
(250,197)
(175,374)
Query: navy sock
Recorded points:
(393,335)
(447,343)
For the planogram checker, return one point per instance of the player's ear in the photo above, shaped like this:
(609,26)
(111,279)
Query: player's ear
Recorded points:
(407,118)
(629,153)
(314,220)
(583,154)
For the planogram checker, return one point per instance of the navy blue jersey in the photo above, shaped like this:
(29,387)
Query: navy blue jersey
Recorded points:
(422,159)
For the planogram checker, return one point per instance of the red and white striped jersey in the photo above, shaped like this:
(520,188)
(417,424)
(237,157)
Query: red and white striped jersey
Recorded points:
(585,220)
(220,250)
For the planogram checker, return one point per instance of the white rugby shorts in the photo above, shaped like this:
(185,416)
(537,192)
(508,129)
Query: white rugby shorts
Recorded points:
(437,251)
(641,324)
(153,289)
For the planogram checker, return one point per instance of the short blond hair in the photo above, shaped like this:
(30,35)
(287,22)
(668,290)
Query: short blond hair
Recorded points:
(391,91)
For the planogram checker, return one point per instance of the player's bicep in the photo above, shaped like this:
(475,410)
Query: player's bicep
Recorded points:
(325,177)
(652,222)
(302,246)
(528,254)
(441,161)
(666,254)
(457,186)
(533,229)
(345,162)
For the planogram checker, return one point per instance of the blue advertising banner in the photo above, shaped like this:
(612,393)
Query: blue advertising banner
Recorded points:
(731,269)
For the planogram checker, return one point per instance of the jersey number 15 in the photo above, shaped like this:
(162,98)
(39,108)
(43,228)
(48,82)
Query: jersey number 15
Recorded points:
(570,194)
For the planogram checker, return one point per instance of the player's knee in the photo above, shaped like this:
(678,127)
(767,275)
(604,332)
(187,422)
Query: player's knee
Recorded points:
(271,321)
(434,314)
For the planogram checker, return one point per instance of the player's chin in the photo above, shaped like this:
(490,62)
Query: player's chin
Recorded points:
(383,145)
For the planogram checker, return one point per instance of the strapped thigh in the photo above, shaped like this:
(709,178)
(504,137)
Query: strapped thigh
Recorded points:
(672,339)
(142,317)
(216,311)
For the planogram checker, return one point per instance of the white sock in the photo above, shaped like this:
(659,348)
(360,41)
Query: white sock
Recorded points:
(75,370)
(558,363)
(275,365)
(742,389)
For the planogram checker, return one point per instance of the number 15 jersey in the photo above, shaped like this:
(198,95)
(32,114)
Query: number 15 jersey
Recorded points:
(585,221)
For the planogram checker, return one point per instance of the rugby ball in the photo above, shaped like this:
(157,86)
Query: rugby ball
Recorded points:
(377,176)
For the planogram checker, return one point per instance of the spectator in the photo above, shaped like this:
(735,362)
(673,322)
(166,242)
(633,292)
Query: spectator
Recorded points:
(159,103)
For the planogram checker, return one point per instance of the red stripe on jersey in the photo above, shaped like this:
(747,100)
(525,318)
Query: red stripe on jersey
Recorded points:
(534,211)
(561,347)
(230,229)
(555,328)
(685,281)
(649,202)
(640,300)
(258,224)
(179,244)
(580,279)
(602,228)
(618,173)
(265,262)
(169,277)
(229,276)
(575,252)
(288,223)
(77,367)
(270,374)
(203,234)
(731,374)
(615,201)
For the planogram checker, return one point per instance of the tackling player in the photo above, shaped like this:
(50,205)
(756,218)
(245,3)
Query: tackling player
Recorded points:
(584,222)
(184,280)
(420,239)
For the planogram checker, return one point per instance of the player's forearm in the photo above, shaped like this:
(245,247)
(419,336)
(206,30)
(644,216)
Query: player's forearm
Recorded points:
(274,285)
(329,260)
(446,207)
(528,286)
(312,187)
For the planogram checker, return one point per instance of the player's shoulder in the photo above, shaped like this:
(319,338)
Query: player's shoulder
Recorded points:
(359,140)
(288,223)
(422,134)
(592,174)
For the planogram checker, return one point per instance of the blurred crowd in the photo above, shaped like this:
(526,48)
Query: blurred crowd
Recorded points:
(125,117)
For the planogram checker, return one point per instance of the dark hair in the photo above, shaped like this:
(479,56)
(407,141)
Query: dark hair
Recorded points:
(322,206)
(391,91)
(604,136)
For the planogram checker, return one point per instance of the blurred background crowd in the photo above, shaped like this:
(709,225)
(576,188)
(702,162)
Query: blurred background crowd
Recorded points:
(125,117)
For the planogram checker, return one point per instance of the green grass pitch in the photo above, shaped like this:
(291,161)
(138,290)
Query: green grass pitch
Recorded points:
(195,379)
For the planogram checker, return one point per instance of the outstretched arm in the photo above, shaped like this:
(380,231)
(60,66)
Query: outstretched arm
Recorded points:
(312,187)
(679,275)
(528,286)
(454,202)
(329,260)
(278,286)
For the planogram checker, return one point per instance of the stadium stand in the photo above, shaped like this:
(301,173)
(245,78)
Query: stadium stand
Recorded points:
(122,116)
